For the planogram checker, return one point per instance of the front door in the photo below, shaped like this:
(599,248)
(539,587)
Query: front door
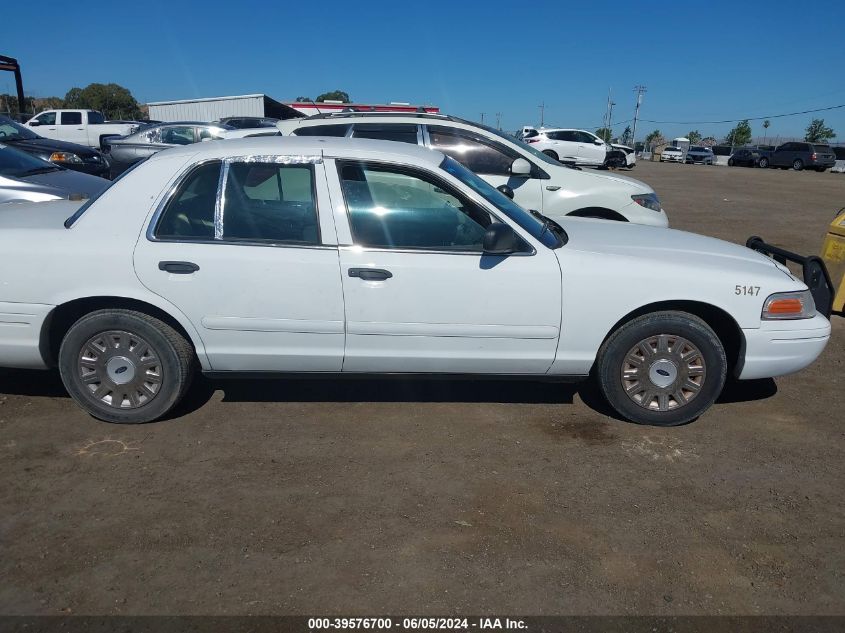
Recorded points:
(420,295)
(490,160)
(256,269)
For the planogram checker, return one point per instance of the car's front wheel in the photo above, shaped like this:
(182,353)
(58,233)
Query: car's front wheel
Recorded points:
(124,366)
(764,163)
(551,154)
(664,368)
(730,162)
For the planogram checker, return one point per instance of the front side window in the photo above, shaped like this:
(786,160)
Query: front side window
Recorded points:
(211,133)
(95,117)
(399,132)
(269,202)
(562,135)
(584,137)
(394,207)
(177,135)
(189,214)
(323,130)
(473,151)
(47,118)
(71,118)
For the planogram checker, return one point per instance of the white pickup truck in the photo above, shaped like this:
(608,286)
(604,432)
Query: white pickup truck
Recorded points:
(86,127)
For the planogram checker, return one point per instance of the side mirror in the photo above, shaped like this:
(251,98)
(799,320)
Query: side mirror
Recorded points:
(598,141)
(500,239)
(506,191)
(521,167)
(34,123)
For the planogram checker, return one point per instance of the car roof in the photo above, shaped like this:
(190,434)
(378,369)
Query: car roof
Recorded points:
(329,147)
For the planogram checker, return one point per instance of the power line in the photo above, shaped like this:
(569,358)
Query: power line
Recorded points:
(751,118)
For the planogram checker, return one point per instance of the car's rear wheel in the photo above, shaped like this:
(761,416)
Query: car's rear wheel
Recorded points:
(664,368)
(798,164)
(124,366)
(764,163)
(550,153)
(731,162)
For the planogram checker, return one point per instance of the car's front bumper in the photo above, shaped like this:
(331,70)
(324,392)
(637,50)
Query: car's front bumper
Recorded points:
(778,348)
(20,334)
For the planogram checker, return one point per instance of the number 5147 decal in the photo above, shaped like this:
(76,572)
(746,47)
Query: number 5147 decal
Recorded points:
(752,291)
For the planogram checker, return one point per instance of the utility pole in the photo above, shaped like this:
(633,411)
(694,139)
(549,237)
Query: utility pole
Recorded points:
(542,107)
(640,90)
(608,112)
(498,120)
(482,117)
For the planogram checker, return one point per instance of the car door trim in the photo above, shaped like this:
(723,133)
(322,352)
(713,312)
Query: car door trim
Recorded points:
(253,324)
(459,330)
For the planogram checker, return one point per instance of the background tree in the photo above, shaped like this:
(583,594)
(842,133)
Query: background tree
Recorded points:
(740,135)
(303,99)
(766,125)
(708,141)
(817,132)
(334,95)
(604,133)
(115,101)
(654,138)
(627,135)
(694,137)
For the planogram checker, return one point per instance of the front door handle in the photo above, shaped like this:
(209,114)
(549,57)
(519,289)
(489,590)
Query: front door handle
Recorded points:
(370,274)
(178,268)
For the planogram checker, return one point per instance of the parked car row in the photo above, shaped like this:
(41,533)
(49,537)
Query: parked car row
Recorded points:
(796,155)
(217,251)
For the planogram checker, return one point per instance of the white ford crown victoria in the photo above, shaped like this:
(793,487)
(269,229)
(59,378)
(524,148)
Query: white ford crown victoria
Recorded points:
(334,256)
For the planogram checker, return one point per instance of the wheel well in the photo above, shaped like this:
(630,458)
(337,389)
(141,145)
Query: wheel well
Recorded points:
(598,212)
(722,323)
(64,316)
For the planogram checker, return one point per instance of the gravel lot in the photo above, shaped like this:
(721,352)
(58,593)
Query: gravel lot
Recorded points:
(390,497)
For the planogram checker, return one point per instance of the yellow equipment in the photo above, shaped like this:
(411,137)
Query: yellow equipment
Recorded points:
(833,254)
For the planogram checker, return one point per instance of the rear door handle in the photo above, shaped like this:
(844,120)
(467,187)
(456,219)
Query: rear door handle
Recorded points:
(370,274)
(178,268)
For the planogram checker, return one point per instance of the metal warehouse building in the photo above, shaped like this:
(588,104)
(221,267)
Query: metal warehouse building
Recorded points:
(214,108)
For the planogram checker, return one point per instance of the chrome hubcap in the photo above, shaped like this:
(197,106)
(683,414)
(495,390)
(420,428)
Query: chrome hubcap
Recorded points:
(663,372)
(120,369)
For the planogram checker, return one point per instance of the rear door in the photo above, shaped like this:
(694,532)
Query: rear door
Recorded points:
(246,249)
(489,159)
(420,295)
(72,127)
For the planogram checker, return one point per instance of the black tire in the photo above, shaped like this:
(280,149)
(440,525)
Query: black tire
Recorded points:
(731,162)
(615,352)
(551,154)
(798,164)
(821,170)
(109,335)
(764,163)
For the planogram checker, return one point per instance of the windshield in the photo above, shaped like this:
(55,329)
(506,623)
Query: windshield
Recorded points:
(520,144)
(11,131)
(17,164)
(695,148)
(504,204)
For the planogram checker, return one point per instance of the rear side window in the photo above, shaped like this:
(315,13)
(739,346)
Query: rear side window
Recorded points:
(178,135)
(322,130)
(402,133)
(268,202)
(70,118)
(189,214)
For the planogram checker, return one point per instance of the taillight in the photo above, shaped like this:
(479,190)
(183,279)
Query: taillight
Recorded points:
(533,140)
(812,157)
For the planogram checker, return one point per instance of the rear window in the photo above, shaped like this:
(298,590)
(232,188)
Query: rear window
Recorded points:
(322,130)
(822,148)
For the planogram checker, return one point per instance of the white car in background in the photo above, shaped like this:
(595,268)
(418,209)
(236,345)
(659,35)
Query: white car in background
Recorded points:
(314,255)
(85,127)
(533,179)
(570,146)
(672,154)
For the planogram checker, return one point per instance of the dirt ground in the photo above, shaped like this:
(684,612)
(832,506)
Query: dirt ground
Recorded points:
(396,497)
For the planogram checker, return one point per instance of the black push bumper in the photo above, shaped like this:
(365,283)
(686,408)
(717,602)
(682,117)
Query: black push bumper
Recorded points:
(813,270)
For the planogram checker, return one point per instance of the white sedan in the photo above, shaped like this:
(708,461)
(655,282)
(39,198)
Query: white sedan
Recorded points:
(329,256)
(672,154)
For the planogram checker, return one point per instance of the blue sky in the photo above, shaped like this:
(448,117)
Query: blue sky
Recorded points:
(700,60)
